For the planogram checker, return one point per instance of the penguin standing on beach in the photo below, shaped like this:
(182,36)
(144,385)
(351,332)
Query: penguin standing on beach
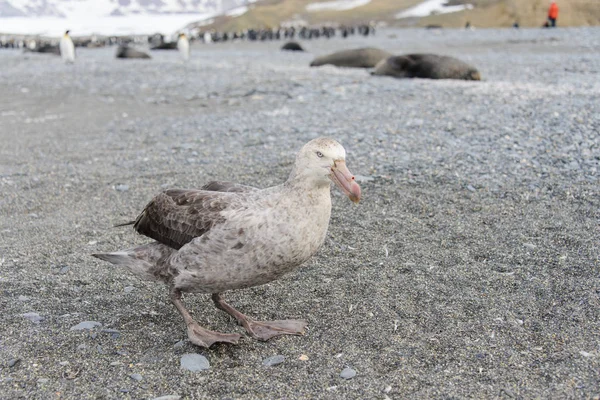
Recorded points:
(67,48)
(183,45)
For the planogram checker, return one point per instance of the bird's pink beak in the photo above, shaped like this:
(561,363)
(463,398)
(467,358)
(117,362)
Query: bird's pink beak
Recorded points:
(345,180)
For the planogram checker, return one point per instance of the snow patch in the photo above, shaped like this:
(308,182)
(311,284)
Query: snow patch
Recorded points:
(337,5)
(429,7)
(109,25)
(236,12)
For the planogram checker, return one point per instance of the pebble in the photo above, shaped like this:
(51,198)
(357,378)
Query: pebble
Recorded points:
(64,270)
(33,317)
(43,380)
(64,363)
(179,344)
(303,357)
(122,188)
(194,362)
(168,397)
(585,353)
(274,360)
(136,377)
(129,289)
(348,373)
(113,333)
(24,298)
(13,362)
(85,325)
(529,245)
(116,363)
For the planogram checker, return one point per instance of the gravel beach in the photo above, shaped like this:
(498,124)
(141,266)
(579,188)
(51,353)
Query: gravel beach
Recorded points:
(470,269)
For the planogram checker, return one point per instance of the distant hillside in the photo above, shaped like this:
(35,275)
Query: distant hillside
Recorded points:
(529,13)
(483,13)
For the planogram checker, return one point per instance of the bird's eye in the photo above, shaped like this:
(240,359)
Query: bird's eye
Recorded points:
(319,154)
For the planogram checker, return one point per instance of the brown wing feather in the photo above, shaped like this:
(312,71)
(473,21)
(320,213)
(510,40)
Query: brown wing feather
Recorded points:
(220,186)
(175,217)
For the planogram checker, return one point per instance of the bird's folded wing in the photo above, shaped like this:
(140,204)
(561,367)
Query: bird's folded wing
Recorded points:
(220,186)
(175,216)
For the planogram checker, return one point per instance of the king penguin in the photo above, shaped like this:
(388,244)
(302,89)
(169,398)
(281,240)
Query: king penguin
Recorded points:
(183,45)
(67,49)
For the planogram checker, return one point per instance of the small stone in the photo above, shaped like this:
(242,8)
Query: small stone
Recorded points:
(136,377)
(64,363)
(23,298)
(85,325)
(471,188)
(585,353)
(122,188)
(43,380)
(348,373)
(129,289)
(13,362)
(303,357)
(64,270)
(179,345)
(33,317)
(194,362)
(530,246)
(113,333)
(274,360)
(82,347)
(387,389)
(168,397)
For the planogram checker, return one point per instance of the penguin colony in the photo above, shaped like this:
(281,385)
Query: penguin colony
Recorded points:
(383,63)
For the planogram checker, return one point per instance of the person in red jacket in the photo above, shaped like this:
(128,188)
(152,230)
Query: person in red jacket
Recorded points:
(553,14)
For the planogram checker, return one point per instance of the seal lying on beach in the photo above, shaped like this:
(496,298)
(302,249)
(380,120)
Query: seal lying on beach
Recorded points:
(357,58)
(430,66)
(44,48)
(292,46)
(128,52)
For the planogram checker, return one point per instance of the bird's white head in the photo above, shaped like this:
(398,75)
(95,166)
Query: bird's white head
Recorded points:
(322,160)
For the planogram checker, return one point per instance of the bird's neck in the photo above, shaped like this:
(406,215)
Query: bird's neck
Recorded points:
(314,190)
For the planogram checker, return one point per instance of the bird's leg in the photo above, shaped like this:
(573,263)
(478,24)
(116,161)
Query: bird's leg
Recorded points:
(197,334)
(262,330)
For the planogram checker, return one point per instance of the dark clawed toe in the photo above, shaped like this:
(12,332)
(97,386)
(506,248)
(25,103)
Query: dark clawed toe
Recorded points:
(265,330)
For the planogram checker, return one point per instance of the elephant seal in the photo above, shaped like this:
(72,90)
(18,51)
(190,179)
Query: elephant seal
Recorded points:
(430,66)
(45,48)
(128,52)
(292,46)
(357,58)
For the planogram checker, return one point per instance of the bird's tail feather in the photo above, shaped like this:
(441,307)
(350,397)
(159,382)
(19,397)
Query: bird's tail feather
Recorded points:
(124,224)
(117,258)
(145,261)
